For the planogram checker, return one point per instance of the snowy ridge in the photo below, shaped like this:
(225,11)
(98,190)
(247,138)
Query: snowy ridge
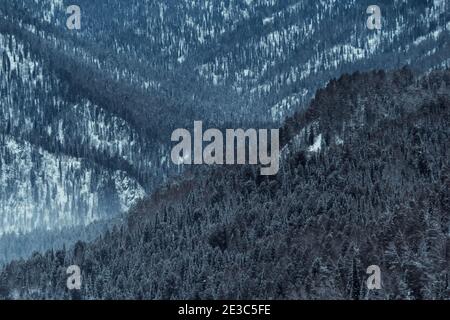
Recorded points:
(45,189)
(39,189)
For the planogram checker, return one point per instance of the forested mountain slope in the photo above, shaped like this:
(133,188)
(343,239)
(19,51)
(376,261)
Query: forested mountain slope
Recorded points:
(86,115)
(242,56)
(364,180)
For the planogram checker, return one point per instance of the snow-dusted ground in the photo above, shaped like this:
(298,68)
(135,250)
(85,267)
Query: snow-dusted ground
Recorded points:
(39,189)
(42,189)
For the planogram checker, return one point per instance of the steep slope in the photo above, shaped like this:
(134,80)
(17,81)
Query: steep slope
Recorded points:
(245,57)
(86,116)
(375,191)
(46,181)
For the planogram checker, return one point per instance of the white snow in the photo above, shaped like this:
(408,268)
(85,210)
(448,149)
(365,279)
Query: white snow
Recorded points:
(317,146)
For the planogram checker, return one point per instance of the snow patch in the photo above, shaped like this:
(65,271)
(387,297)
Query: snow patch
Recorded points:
(317,146)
